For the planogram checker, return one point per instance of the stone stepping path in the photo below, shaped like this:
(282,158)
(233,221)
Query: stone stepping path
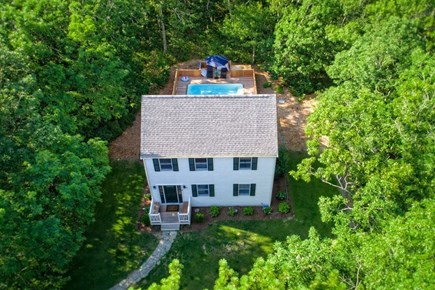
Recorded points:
(163,247)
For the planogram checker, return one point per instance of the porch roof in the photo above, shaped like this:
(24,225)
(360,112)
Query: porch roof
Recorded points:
(208,126)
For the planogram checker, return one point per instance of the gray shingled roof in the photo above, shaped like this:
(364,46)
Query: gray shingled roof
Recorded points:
(208,126)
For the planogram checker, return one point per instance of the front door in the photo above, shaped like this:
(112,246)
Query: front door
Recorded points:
(170,194)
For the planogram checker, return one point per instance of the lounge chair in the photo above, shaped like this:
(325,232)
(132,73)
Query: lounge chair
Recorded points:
(209,72)
(224,73)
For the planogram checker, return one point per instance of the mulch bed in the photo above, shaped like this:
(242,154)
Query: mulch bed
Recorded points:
(280,184)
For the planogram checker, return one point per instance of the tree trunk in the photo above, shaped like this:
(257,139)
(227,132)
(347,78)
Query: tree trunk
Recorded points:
(229,7)
(162,26)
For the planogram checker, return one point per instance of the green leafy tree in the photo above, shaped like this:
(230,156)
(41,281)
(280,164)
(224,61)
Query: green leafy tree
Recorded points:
(366,156)
(249,32)
(227,278)
(173,280)
(302,49)
(49,182)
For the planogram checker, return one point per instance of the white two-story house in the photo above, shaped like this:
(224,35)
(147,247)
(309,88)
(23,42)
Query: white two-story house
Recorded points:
(207,150)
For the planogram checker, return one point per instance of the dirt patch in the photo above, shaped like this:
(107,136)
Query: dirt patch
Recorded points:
(292,114)
(292,119)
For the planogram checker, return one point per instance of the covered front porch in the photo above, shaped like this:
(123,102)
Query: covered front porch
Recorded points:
(170,216)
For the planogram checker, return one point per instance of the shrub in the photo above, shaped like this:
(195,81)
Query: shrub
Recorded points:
(282,162)
(146,219)
(232,211)
(281,195)
(214,211)
(267,85)
(283,207)
(248,210)
(267,210)
(199,217)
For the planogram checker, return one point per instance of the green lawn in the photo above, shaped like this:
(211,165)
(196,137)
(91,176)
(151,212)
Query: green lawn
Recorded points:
(113,246)
(242,242)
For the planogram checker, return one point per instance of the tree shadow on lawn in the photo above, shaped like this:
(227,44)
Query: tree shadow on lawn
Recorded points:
(113,247)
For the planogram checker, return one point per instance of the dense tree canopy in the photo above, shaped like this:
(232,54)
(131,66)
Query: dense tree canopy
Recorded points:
(71,77)
(72,72)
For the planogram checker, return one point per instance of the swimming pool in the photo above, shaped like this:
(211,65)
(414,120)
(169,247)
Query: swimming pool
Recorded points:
(215,89)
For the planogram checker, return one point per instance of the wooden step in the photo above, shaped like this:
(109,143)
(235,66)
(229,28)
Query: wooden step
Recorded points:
(170,227)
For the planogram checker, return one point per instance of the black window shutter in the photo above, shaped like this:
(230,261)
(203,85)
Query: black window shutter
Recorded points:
(156,164)
(211,189)
(192,164)
(180,193)
(236,163)
(175,164)
(210,164)
(252,189)
(235,189)
(162,195)
(194,190)
(254,163)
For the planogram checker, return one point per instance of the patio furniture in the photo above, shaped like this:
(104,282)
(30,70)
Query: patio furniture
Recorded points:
(209,72)
(224,73)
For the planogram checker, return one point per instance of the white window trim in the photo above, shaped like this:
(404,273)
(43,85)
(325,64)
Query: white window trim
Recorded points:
(245,168)
(170,163)
(203,195)
(244,194)
(201,169)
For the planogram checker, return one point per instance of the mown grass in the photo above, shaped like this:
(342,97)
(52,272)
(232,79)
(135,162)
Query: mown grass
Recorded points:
(242,242)
(113,246)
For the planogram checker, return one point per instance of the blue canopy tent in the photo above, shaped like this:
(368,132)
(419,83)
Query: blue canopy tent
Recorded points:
(217,61)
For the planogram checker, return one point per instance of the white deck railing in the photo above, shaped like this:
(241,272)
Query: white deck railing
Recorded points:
(155,218)
(184,218)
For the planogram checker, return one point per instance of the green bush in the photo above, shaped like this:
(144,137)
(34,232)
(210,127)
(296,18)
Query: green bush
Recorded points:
(232,211)
(267,85)
(199,217)
(248,210)
(267,210)
(279,90)
(215,211)
(282,162)
(283,207)
(146,217)
(281,195)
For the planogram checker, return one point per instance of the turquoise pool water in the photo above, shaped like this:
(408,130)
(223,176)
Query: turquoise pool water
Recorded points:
(215,89)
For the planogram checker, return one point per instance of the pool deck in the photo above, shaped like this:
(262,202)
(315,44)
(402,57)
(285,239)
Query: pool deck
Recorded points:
(247,82)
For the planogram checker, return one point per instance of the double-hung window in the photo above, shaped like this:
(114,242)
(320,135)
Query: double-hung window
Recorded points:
(202,190)
(201,164)
(165,164)
(244,189)
(245,163)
